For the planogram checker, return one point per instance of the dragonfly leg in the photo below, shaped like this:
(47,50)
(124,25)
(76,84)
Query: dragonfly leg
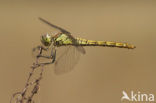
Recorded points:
(52,57)
(44,56)
(53,60)
(39,64)
(40,49)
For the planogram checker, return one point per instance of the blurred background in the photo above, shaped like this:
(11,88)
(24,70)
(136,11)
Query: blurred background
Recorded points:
(103,73)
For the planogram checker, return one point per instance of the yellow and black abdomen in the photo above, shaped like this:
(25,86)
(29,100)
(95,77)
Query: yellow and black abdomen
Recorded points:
(84,42)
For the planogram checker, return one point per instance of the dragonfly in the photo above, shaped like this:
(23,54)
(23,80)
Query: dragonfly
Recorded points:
(74,48)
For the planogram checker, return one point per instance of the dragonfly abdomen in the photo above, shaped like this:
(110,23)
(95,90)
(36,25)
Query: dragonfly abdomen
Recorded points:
(84,42)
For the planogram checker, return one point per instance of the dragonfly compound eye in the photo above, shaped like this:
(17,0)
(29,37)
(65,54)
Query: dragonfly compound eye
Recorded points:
(46,40)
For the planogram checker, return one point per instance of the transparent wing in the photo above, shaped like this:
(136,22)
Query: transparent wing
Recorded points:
(54,26)
(58,28)
(66,61)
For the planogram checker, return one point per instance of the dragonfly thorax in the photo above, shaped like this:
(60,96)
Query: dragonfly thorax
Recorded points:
(46,39)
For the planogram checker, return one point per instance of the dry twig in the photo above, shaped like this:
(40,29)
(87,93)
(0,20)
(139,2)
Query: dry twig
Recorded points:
(24,96)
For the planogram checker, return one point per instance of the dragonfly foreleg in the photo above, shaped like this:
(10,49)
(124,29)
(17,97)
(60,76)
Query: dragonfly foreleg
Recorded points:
(52,57)
(40,49)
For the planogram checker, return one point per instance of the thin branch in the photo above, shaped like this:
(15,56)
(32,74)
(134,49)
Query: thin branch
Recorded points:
(24,96)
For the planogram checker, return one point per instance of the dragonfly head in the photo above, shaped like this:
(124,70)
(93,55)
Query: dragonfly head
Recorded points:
(46,39)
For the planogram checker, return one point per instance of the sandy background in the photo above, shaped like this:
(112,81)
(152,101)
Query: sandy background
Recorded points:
(103,73)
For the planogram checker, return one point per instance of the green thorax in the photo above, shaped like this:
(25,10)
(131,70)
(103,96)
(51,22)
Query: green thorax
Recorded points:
(63,39)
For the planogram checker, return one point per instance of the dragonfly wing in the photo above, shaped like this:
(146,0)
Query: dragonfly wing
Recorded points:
(58,28)
(81,49)
(54,26)
(66,61)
